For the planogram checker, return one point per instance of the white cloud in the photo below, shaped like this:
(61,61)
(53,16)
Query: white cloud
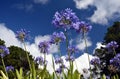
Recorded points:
(8,36)
(81,43)
(105,10)
(82,62)
(99,45)
(41,1)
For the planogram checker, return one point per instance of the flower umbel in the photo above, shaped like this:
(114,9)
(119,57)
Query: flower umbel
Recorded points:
(82,26)
(4,51)
(112,44)
(22,34)
(44,47)
(72,49)
(65,19)
(115,62)
(39,60)
(58,60)
(57,38)
(70,58)
(95,61)
(9,68)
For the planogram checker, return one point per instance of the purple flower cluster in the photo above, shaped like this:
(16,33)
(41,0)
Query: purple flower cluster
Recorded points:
(69,58)
(112,44)
(65,19)
(9,68)
(22,35)
(115,62)
(44,47)
(81,26)
(58,60)
(57,37)
(39,60)
(95,61)
(72,49)
(59,70)
(4,51)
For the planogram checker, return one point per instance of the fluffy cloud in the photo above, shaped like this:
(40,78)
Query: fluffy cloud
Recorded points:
(105,10)
(8,36)
(99,45)
(41,1)
(81,43)
(82,62)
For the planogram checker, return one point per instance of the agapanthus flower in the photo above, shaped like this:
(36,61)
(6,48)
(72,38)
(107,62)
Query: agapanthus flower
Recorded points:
(63,66)
(9,68)
(22,35)
(39,60)
(58,60)
(95,61)
(72,49)
(59,70)
(112,44)
(115,62)
(57,37)
(44,47)
(4,51)
(82,26)
(65,19)
(69,58)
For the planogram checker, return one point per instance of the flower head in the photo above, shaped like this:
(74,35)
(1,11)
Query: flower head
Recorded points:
(4,51)
(72,49)
(9,68)
(115,62)
(112,44)
(59,70)
(39,60)
(65,18)
(22,34)
(58,60)
(57,37)
(44,47)
(70,58)
(81,26)
(95,61)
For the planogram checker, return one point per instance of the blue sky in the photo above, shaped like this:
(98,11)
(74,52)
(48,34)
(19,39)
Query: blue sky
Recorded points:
(36,16)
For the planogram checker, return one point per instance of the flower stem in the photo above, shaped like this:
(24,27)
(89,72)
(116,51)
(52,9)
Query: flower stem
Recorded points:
(4,67)
(114,51)
(27,56)
(86,50)
(71,70)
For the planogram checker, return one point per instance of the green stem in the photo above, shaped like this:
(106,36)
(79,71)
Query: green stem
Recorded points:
(54,67)
(44,60)
(86,50)
(27,56)
(114,51)
(4,67)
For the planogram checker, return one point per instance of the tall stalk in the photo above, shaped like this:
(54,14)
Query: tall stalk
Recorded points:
(71,71)
(27,56)
(4,67)
(86,50)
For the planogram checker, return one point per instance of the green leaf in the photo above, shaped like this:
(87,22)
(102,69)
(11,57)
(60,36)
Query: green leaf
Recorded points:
(76,75)
(103,77)
(33,71)
(19,74)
